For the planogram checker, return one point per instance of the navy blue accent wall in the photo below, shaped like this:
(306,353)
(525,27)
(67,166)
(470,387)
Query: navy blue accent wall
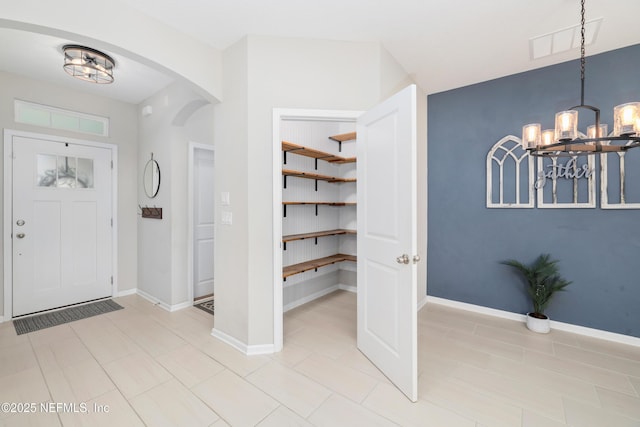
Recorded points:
(599,250)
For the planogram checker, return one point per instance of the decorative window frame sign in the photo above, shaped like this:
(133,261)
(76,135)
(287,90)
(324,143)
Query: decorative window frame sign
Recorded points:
(555,171)
(507,149)
(562,182)
(622,182)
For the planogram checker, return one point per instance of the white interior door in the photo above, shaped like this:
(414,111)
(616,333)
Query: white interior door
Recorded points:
(204,214)
(61,224)
(387,239)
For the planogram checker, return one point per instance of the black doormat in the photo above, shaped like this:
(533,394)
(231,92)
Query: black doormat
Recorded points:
(55,318)
(206,306)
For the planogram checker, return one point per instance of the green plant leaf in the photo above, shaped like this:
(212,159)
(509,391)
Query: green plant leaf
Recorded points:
(542,280)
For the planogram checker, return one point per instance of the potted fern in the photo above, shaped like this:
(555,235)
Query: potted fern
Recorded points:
(542,281)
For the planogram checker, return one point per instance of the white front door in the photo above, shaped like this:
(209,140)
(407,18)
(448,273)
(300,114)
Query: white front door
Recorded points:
(61,224)
(387,239)
(204,215)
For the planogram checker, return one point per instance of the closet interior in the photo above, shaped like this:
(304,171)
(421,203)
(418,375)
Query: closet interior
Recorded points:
(318,209)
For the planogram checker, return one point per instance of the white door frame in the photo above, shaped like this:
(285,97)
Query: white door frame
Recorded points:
(278,115)
(8,208)
(193,146)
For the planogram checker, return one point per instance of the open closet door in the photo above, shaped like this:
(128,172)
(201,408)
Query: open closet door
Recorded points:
(387,239)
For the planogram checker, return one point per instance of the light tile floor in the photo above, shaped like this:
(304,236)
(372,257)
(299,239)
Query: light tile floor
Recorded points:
(145,366)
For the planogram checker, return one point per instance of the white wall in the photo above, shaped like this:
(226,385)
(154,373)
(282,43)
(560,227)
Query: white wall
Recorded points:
(179,116)
(393,77)
(231,175)
(123,133)
(270,72)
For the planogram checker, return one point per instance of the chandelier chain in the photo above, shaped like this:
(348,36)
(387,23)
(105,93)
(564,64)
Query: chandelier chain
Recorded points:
(582,53)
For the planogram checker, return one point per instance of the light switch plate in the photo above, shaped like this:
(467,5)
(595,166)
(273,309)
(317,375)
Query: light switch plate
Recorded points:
(227,217)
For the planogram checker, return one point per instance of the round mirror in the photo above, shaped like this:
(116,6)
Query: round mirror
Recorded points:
(151,178)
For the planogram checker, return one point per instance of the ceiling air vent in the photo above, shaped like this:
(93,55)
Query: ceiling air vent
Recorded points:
(563,40)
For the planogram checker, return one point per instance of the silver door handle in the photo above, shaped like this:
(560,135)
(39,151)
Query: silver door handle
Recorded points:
(20,235)
(416,259)
(403,259)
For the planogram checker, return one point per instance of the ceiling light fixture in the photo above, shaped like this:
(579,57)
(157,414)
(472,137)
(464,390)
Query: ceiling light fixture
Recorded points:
(88,64)
(565,141)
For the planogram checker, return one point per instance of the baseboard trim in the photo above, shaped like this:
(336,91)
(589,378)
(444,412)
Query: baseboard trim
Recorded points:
(162,304)
(476,308)
(309,298)
(422,303)
(561,326)
(258,349)
(348,288)
(249,350)
(127,292)
(597,333)
(181,306)
(153,300)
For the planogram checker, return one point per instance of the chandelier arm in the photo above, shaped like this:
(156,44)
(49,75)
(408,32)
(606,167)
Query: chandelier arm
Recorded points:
(596,110)
(586,146)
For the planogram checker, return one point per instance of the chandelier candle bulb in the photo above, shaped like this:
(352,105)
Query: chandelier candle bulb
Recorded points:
(531,135)
(548,137)
(626,119)
(566,125)
(591,132)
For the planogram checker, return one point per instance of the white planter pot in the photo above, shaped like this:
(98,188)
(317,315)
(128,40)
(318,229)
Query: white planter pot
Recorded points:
(542,326)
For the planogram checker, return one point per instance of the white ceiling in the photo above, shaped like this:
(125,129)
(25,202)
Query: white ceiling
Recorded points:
(40,57)
(443,44)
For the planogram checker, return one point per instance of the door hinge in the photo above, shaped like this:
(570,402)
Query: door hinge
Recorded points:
(111,222)
(112,280)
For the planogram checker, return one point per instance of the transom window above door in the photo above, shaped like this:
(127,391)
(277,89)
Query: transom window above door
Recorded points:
(57,118)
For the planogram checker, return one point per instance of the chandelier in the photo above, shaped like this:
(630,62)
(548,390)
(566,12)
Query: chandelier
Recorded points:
(565,141)
(88,64)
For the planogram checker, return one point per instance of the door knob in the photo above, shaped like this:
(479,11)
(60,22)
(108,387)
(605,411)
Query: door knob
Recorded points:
(403,259)
(416,259)
(20,235)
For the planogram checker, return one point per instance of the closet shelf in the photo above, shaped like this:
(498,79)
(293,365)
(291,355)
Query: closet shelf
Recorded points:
(303,236)
(285,204)
(321,203)
(316,176)
(343,137)
(289,147)
(315,264)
